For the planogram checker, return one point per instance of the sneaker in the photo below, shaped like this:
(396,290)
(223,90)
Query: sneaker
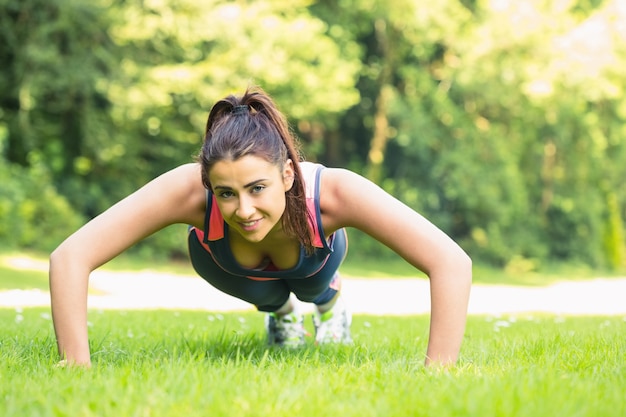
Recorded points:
(333,326)
(285,331)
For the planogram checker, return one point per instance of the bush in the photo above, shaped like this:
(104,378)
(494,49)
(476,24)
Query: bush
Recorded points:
(32,213)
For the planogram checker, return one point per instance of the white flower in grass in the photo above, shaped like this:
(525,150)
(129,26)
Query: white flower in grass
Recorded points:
(19,318)
(45,316)
(489,319)
(499,324)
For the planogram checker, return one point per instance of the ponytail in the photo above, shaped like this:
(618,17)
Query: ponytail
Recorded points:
(253,125)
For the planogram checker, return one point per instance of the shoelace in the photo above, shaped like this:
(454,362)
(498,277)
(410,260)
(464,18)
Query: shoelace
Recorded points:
(291,327)
(330,328)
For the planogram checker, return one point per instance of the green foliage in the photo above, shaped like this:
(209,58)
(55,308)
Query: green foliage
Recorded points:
(502,143)
(502,122)
(614,234)
(170,244)
(32,213)
(192,362)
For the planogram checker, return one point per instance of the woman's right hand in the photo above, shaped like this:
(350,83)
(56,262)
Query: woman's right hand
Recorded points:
(68,292)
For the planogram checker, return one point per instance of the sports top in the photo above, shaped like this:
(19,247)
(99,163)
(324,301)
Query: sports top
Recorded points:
(214,238)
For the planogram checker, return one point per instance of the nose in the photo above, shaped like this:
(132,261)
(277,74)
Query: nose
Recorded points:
(245,209)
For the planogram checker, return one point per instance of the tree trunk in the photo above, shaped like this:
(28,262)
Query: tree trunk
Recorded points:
(376,154)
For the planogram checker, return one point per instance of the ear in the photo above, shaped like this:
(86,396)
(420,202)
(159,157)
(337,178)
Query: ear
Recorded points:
(289,175)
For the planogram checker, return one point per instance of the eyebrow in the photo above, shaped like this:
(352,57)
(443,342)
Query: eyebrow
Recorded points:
(248,185)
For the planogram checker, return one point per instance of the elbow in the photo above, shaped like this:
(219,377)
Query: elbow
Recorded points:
(465,261)
(454,263)
(467,265)
(60,260)
(460,257)
(54,261)
(56,256)
(464,264)
(73,256)
(457,263)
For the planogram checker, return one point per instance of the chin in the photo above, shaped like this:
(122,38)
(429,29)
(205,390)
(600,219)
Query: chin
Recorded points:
(255,237)
(252,239)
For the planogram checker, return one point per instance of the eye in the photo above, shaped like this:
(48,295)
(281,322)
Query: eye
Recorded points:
(257,189)
(225,194)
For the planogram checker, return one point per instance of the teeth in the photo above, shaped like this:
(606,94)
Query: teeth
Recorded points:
(248,223)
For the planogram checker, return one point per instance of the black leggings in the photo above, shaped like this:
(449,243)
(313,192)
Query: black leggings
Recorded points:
(270,295)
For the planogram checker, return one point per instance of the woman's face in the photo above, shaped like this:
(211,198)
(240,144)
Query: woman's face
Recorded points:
(250,193)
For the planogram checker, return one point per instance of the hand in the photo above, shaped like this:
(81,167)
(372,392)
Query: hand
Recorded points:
(65,364)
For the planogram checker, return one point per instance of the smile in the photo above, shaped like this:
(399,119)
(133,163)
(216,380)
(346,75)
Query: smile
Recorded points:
(249,225)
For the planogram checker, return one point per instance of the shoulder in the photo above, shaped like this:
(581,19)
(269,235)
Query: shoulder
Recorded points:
(344,195)
(187,177)
(339,184)
(182,181)
(309,169)
(178,191)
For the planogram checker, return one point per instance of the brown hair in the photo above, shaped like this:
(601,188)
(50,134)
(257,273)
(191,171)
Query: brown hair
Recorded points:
(252,125)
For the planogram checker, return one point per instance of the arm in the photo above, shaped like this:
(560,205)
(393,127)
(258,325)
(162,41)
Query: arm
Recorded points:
(349,200)
(175,197)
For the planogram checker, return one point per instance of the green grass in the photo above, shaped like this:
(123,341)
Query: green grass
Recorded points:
(169,363)
(11,278)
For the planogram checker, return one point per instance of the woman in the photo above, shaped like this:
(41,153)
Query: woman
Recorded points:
(264,225)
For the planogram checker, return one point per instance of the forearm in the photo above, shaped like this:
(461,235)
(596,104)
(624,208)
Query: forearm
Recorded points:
(450,292)
(68,291)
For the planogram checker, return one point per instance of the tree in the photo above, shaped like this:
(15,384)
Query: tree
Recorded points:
(537,84)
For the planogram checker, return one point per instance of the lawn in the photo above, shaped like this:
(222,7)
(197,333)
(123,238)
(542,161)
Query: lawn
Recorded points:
(190,363)
(186,363)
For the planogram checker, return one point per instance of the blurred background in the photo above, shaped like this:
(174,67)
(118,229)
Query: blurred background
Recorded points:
(502,121)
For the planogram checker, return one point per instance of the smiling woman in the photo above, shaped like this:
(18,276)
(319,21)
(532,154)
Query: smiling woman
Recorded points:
(250,195)
(265,225)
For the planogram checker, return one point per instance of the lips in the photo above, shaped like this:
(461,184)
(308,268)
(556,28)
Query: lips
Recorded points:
(249,226)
